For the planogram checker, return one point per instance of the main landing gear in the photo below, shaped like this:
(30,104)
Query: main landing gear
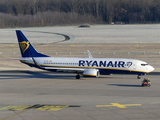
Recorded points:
(78,76)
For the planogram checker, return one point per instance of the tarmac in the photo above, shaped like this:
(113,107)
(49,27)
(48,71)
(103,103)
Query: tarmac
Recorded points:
(27,95)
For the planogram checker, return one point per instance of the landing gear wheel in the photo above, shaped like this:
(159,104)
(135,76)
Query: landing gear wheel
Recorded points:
(78,76)
(138,77)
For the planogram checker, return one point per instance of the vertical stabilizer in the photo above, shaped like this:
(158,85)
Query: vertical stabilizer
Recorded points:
(26,48)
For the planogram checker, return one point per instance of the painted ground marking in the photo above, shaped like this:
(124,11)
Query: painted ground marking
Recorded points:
(118,105)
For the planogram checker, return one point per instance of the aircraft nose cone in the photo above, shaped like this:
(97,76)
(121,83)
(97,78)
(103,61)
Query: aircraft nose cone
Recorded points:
(151,68)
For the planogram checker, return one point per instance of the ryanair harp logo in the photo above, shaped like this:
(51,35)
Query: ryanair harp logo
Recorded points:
(24,45)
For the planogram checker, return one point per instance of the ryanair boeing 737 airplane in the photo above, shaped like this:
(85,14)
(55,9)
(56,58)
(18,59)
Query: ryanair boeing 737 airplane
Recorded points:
(87,67)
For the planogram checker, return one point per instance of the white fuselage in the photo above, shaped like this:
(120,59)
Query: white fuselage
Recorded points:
(102,64)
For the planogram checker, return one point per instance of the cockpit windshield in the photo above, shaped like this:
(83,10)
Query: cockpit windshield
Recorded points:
(144,64)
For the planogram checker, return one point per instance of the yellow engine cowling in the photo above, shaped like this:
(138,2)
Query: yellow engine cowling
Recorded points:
(91,73)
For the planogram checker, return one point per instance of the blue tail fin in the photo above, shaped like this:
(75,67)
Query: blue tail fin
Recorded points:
(26,48)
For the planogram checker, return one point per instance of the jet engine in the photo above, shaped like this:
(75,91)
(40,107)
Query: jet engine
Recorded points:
(91,73)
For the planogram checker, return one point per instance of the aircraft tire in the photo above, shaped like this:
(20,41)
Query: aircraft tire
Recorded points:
(78,76)
(138,77)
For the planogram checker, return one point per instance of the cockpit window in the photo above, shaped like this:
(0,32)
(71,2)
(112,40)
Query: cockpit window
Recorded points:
(144,64)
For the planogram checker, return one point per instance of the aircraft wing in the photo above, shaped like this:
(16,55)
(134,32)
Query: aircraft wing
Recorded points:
(65,69)
(59,68)
(89,54)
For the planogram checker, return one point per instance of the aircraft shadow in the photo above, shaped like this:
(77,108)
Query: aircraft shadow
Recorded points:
(124,85)
(30,74)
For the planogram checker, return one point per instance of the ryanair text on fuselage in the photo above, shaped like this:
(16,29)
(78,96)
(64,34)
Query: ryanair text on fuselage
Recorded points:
(104,63)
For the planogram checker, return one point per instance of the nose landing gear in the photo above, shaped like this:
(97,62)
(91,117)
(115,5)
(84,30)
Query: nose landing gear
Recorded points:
(138,77)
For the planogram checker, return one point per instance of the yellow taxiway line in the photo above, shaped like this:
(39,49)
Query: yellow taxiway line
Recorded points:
(118,105)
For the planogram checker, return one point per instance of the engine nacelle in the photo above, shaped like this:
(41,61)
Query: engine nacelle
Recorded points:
(91,73)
